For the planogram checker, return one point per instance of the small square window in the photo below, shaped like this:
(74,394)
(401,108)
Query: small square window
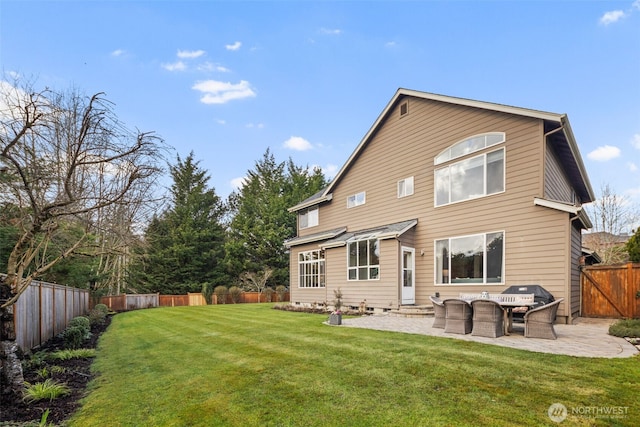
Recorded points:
(405,187)
(356,200)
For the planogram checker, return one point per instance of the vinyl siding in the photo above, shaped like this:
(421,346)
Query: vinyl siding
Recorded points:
(576,254)
(536,238)
(556,185)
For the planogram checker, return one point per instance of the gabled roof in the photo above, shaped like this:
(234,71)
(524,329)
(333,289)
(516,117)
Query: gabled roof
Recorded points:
(556,126)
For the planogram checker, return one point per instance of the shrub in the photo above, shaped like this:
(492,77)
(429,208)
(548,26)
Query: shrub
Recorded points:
(103,308)
(626,328)
(74,336)
(207,291)
(96,317)
(235,293)
(48,389)
(268,294)
(221,293)
(81,322)
(281,291)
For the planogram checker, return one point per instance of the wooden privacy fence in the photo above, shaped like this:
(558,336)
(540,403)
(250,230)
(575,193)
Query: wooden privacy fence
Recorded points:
(251,297)
(126,302)
(44,310)
(611,291)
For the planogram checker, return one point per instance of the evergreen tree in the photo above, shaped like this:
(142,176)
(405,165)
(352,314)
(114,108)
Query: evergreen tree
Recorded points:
(185,244)
(633,246)
(262,222)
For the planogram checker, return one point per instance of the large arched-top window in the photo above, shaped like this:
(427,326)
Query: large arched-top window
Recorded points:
(469,145)
(471,177)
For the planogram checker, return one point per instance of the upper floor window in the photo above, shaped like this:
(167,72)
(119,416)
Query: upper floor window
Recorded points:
(364,259)
(356,200)
(470,259)
(311,271)
(469,145)
(467,179)
(405,187)
(309,218)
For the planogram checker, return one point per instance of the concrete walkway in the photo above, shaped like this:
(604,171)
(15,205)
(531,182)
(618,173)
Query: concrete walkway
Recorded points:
(586,338)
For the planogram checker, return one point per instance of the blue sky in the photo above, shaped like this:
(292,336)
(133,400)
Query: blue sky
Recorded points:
(227,80)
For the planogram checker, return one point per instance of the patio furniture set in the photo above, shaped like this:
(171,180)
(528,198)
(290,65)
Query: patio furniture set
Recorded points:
(491,315)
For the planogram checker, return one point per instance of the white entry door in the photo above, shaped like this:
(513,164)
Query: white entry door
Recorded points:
(407,278)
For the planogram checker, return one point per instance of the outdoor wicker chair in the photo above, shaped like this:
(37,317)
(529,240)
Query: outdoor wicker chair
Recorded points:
(488,318)
(439,312)
(538,323)
(458,316)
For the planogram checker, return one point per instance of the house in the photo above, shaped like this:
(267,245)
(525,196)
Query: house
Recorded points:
(446,195)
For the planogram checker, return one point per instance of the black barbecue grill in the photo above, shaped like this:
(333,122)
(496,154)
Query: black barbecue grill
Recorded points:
(540,295)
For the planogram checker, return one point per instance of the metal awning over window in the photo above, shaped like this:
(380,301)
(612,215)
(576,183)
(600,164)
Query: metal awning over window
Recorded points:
(389,231)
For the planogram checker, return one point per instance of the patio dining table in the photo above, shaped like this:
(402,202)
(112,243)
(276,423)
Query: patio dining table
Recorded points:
(508,302)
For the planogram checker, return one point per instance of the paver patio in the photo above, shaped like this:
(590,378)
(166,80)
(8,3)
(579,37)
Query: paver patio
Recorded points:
(586,338)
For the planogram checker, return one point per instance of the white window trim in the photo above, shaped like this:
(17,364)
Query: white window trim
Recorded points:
(405,193)
(318,261)
(504,179)
(356,203)
(484,266)
(306,212)
(485,135)
(367,239)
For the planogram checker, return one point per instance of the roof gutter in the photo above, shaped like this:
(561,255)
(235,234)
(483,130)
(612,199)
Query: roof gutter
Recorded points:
(309,203)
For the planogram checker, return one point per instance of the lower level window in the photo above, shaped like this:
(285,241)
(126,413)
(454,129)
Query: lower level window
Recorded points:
(311,272)
(470,259)
(364,259)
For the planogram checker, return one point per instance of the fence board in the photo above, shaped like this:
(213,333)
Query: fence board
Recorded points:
(611,291)
(44,310)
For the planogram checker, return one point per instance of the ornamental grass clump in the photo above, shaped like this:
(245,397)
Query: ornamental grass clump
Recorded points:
(48,389)
(625,328)
(78,353)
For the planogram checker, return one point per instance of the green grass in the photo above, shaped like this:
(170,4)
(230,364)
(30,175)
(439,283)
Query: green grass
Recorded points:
(249,365)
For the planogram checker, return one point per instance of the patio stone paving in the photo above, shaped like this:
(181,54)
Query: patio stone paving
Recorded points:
(586,338)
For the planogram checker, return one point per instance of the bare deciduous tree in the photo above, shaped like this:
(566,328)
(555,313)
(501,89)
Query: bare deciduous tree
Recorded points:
(613,218)
(65,158)
(256,281)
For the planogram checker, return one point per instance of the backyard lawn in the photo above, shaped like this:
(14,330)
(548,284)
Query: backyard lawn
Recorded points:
(247,364)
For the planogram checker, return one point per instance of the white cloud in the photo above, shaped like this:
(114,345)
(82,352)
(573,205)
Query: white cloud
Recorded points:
(234,46)
(632,167)
(221,121)
(611,17)
(330,170)
(238,183)
(297,143)
(216,92)
(330,31)
(118,52)
(176,66)
(254,125)
(636,138)
(190,54)
(604,153)
(390,44)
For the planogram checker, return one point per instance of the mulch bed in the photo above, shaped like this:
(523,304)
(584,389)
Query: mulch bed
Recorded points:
(77,373)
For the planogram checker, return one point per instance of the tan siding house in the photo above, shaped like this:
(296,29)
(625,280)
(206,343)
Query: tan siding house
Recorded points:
(446,195)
